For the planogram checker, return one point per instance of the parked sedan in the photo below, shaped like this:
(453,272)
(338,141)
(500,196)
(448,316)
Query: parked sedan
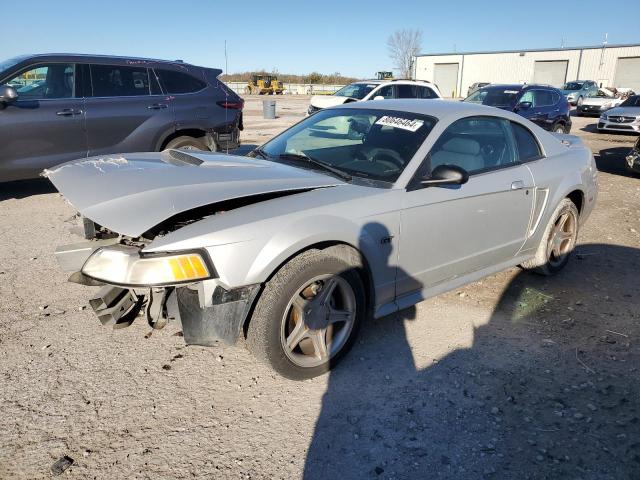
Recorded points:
(623,118)
(356,211)
(55,108)
(542,104)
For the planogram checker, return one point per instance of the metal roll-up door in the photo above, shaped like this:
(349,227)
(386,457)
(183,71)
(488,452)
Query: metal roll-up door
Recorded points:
(628,73)
(445,76)
(550,72)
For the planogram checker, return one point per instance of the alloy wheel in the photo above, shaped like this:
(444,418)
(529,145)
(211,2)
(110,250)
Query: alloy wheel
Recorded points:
(318,320)
(562,238)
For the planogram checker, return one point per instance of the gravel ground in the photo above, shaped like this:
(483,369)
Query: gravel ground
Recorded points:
(515,376)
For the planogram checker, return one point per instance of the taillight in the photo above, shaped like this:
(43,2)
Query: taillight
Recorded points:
(237,105)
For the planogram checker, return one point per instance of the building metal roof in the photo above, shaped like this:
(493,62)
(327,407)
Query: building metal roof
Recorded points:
(567,49)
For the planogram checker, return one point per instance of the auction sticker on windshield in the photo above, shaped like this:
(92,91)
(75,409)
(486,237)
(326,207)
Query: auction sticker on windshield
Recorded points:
(403,123)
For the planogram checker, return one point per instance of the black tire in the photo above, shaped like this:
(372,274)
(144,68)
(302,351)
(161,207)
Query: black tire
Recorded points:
(579,113)
(559,128)
(187,143)
(266,326)
(544,263)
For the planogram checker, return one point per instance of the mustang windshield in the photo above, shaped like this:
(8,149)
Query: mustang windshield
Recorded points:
(356,90)
(494,97)
(376,144)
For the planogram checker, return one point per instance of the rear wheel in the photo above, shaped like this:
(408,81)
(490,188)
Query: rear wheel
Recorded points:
(308,315)
(558,241)
(187,143)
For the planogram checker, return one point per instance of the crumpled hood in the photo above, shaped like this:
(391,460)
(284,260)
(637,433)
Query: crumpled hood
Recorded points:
(326,101)
(131,193)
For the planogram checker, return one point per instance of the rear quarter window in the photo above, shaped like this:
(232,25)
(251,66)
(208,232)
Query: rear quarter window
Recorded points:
(179,82)
(526,143)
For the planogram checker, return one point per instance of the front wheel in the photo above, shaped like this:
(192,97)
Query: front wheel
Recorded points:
(559,128)
(558,241)
(308,315)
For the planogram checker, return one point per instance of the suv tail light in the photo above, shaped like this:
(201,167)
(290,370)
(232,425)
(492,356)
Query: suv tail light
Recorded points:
(235,105)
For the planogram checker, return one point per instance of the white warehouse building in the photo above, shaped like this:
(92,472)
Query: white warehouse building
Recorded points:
(609,66)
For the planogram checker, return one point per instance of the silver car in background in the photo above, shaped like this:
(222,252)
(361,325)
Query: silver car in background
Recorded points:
(623,118)
(357,211)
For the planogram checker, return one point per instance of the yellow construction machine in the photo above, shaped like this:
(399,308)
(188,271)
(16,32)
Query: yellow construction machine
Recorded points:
(264,85)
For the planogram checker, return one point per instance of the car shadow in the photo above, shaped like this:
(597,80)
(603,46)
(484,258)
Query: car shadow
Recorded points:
(612,160)
(548,387)
(25,188)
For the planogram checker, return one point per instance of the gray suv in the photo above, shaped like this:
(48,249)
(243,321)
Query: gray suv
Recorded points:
(55,108)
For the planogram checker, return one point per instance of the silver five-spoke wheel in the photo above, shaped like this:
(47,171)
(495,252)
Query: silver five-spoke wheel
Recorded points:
(318,320)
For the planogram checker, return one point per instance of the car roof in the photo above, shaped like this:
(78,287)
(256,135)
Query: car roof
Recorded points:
(433,107)
(90,57)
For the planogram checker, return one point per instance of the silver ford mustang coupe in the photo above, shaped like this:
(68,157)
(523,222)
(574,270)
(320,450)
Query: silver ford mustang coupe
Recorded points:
(357,211)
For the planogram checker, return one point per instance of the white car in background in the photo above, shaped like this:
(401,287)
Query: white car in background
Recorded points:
(623,118)
(375,90)
(605,99)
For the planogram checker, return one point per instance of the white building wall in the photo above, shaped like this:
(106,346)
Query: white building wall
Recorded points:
(518,67)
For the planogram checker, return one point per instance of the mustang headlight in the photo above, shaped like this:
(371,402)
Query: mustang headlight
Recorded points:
(123,265)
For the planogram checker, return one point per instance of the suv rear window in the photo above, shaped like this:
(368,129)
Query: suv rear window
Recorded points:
(119,81)
(178,82)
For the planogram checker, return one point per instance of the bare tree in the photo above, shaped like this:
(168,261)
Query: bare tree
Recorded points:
(403,45)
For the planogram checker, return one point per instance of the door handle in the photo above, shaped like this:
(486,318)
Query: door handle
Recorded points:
(517,185)
(68,112)
(157,106)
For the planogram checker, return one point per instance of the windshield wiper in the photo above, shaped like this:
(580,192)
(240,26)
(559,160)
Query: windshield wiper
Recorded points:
(261,152)
(301,156)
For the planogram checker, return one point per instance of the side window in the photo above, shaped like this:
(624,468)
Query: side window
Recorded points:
(476,144)
(386,92)
(119,81)
(426,92)
(526,143)
(528,97)
(56,80)
(407,91)
(543,98)
(179,82)
(555,97)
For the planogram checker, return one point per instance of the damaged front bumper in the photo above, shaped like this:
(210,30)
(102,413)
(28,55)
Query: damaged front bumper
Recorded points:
(207,310)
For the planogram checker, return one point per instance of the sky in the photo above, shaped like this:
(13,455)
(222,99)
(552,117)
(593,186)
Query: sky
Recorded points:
(327,36)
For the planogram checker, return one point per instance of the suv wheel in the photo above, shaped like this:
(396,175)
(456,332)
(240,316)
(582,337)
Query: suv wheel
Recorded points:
(308,315)
(559,128)
(187,143)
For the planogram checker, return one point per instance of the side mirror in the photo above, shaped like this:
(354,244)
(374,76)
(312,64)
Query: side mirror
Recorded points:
(378,97)
(8,94)
(446,175)
(523,106)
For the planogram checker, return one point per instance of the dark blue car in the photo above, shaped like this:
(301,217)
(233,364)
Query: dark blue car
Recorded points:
(542,104)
